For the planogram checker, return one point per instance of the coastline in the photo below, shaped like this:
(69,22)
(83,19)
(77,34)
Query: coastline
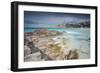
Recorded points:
(68,44)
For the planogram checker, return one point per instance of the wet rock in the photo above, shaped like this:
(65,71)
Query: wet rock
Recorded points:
(33,57)
(32,47)
(72,54)
(42,46)
(27,51)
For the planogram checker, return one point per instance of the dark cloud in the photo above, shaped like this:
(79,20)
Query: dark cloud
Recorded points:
(32,18)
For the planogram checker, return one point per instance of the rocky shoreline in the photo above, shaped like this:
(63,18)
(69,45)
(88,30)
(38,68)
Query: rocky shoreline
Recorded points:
(44,45)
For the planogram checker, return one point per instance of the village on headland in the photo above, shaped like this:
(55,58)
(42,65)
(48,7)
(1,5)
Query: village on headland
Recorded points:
(84,24)
(47,45)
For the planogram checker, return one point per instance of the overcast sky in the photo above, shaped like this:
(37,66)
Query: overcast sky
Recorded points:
(50,19)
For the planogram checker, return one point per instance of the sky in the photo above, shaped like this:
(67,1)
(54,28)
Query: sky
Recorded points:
(51,19)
